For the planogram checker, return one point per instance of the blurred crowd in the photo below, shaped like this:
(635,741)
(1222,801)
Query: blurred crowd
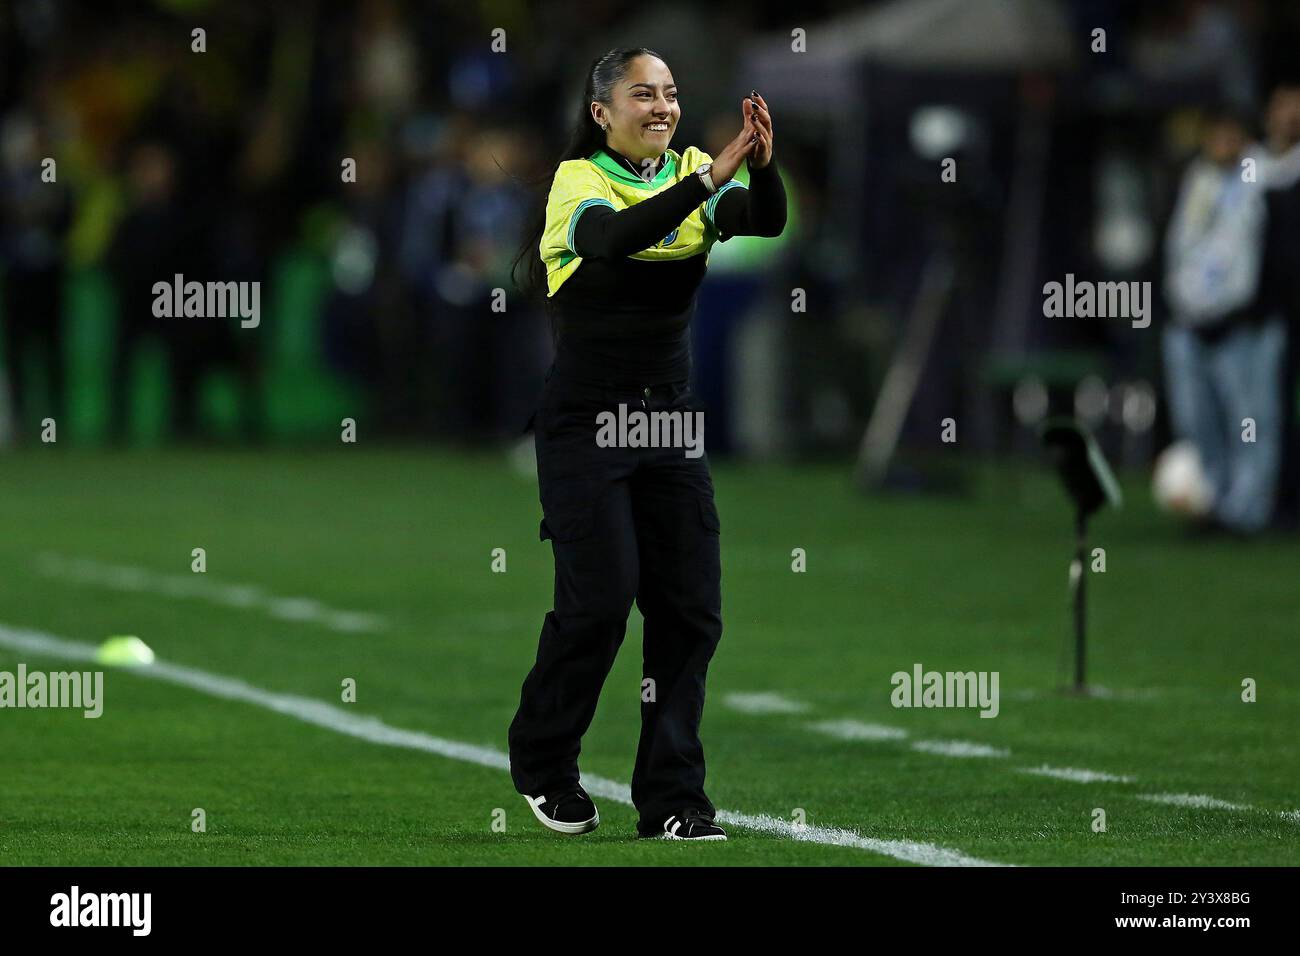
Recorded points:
(232,162)
(394,144)
(216,163)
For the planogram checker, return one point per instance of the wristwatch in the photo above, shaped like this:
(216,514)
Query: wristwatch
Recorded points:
(704,172)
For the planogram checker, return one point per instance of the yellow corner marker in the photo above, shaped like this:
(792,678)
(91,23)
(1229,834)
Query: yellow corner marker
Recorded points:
(124,650)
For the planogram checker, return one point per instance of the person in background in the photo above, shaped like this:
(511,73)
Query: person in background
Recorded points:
(1224,346)
(34,219)
(149,245)
(1280,284)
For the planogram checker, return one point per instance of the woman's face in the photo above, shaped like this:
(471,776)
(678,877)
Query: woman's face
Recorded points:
(646,96)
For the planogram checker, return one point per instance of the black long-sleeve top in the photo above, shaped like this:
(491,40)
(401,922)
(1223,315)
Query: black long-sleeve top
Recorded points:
(624,320)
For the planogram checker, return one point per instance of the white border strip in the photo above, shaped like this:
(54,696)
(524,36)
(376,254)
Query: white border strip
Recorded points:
(1198,800)
(857,730)
(1077,774)
(121,577)
(374,730)
(764,703)
(959,748)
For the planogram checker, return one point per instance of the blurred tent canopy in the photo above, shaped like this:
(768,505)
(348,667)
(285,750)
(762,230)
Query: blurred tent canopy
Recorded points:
(959,34)
(939,36)
(832,82)
(950,35)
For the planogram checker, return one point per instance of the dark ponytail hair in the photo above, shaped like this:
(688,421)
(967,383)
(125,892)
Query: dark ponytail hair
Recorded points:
(584,139)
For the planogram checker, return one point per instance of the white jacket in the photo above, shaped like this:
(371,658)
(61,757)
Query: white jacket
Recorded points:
(1215,245)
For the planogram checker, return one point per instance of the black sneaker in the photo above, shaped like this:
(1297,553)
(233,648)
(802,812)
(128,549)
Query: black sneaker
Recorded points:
(692,825)
(566,811)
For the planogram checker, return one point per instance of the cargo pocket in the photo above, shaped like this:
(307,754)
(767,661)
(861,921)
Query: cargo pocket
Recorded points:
(567,512)
(571,526)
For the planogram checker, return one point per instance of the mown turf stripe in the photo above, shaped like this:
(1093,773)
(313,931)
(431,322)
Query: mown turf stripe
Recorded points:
(1094,692)
(374,730)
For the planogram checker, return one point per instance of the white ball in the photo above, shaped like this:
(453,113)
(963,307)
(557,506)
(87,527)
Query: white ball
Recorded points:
(1179,483)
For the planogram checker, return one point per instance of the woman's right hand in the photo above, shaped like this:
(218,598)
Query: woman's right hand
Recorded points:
(734,153)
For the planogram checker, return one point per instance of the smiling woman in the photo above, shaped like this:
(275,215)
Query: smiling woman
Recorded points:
(620,250)
(650,114)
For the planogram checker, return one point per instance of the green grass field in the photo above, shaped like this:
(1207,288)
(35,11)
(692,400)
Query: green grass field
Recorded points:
(976,584)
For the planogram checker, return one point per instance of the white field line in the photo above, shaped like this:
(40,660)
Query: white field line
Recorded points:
(1192,800)
(1204,802)
(857,730)
(763,703)
(1076,774)
(200,586)
(959,748)
(374,730)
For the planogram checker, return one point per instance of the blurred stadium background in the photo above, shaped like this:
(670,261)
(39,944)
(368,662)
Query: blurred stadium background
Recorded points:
(376,306)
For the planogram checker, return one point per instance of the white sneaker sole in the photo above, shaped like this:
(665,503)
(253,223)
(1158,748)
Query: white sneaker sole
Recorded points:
(720,837)
(583,826)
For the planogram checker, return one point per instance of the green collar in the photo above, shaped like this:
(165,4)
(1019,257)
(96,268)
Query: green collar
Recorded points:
(617,171)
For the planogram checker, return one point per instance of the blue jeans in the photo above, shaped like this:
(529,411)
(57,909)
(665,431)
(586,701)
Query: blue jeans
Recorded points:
(1211,387)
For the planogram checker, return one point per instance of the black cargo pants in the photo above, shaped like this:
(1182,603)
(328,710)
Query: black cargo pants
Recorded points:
(625,524)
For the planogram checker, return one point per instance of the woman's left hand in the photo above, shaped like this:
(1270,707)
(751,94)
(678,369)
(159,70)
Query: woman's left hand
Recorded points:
(760,121)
